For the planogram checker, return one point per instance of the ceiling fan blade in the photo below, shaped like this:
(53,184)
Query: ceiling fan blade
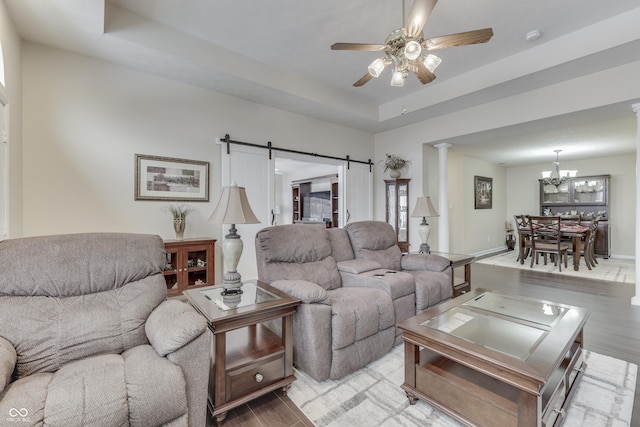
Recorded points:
(364,79)
(357,46)
(423,74)
(459,39)
(420,11)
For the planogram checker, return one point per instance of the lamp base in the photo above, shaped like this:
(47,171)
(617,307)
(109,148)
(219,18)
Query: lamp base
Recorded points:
(231,251)
(425,248)
(424,231)
(231,283)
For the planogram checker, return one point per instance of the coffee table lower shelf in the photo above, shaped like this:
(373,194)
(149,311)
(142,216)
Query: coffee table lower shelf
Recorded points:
(475,398)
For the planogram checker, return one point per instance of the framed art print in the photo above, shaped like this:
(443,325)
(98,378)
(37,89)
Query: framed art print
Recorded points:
(171,179)
(483,192)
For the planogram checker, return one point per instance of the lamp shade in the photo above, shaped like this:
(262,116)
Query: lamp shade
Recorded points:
(424,208)
(233,207)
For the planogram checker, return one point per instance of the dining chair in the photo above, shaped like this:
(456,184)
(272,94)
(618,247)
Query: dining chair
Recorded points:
(588,249)
(524,236)
(546,238)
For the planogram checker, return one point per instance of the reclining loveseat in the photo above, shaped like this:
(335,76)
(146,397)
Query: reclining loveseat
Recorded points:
(353,290)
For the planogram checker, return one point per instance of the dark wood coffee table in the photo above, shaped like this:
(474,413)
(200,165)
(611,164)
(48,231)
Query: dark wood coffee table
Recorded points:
(495,360)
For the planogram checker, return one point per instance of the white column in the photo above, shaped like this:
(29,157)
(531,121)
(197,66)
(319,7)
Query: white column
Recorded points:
(636,299)
(443,197)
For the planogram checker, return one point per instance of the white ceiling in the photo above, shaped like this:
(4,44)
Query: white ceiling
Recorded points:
(276,52)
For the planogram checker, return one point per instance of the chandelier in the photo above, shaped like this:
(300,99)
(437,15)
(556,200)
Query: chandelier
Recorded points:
(561,175)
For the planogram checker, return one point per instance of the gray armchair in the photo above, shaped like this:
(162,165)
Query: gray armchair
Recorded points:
(87,336)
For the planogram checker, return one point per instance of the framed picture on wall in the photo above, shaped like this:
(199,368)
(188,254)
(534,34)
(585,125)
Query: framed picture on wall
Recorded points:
(483,192)
(171,179)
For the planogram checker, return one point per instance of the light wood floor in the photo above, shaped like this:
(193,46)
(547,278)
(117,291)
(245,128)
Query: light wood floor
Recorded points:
(613,329)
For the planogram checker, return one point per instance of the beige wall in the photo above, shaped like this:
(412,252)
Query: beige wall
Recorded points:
(11,50)
(85,119)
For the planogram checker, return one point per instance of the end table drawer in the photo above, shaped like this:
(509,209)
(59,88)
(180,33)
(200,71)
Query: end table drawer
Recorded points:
(253,377)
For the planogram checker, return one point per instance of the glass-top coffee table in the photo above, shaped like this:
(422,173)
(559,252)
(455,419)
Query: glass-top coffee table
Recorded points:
(496,360)
(247,358)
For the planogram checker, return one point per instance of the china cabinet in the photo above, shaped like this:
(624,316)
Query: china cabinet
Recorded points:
(190,264)
(580,199)
(397,200)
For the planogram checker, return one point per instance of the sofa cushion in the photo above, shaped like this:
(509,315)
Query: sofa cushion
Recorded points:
(305,291)
(104,390)
(340,244)
(49,332)
(429,262)
(151,378)
(376,241)
(395,283)
(431,288)
(28,396)
(77,264)
(357,266)
(296,252)
(8,360)
(172,325)
(358,313)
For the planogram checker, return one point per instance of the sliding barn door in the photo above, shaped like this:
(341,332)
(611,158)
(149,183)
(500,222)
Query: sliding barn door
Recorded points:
(357,184)
(251,168)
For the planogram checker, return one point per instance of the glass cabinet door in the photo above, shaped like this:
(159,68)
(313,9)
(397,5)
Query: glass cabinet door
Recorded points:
(589,190)
(397,194)
(391,206)
(403,215)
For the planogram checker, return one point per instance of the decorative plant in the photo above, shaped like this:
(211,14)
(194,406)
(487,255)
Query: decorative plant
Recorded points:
(180,211)
(395,163)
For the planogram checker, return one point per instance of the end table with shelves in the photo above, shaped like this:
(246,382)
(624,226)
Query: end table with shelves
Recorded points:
(459,284)
(248,359)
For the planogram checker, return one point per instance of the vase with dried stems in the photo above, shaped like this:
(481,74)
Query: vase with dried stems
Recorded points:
(179,213)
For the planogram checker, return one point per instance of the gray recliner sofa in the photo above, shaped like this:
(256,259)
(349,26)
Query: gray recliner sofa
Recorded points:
(87,336)
(351,299)
(336,330)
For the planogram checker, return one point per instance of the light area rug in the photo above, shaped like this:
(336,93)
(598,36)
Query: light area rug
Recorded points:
(372,396)
(613,269)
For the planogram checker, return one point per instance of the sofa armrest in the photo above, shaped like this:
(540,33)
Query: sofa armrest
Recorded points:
(357,266)
(172,325)
(8,358)
(305,291)
(424,262)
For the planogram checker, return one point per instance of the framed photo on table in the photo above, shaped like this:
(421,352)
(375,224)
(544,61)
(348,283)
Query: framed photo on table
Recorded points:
(483,192)
(171,179)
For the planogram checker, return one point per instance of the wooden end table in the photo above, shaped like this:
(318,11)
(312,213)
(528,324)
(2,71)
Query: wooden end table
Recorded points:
(248,359)
(456,261)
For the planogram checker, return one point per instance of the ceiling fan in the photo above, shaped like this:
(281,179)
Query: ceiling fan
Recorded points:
(408,49)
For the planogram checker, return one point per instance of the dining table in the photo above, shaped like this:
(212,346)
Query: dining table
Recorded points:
(577,233)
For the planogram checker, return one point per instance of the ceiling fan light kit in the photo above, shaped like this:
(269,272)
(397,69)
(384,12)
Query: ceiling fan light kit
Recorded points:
(407,48)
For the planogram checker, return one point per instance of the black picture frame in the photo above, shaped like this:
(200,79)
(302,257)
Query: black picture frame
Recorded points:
(483,192)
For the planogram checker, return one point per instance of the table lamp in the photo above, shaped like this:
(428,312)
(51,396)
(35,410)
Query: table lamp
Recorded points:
(233,208)
(424,208)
